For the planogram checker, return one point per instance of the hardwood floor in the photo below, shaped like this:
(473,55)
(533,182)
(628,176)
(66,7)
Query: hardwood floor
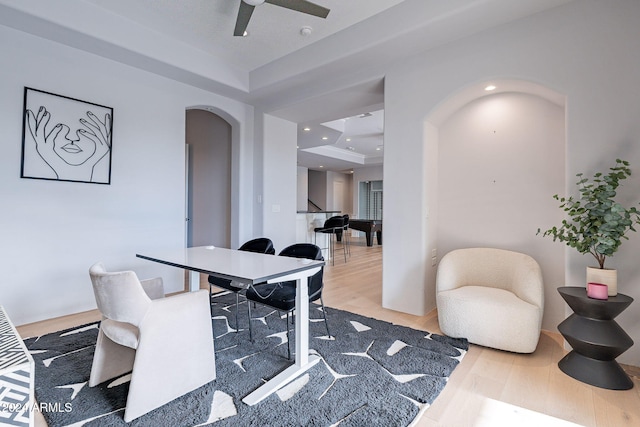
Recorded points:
(489,388)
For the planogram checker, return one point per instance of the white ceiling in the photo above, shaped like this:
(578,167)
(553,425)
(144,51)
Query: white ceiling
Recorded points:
(311,80)
(343,144)
(273,31)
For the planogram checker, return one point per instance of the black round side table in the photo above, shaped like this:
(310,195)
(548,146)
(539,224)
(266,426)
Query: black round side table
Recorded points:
(596,339)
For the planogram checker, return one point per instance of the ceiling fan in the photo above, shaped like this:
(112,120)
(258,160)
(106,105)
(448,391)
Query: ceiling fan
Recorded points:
(247,6)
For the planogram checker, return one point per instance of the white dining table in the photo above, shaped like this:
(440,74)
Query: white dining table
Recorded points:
(249,268)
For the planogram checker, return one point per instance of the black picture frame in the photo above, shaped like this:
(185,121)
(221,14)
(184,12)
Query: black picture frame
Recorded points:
(65,139)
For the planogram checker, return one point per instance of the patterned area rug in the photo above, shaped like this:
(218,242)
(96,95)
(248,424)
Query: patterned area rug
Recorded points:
(372,373)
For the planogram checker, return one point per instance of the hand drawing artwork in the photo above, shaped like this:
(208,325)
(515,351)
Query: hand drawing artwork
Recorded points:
(65,139)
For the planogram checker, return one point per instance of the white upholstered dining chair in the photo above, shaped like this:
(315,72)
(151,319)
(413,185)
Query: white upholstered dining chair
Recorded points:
(492,297)
(166,343)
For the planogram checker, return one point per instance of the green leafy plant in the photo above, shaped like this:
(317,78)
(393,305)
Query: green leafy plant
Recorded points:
(596,223)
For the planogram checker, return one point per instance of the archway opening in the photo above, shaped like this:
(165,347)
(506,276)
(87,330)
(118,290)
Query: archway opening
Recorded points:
(500,158)
(209,179)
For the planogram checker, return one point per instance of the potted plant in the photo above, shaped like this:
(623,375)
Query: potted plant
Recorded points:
(596,223)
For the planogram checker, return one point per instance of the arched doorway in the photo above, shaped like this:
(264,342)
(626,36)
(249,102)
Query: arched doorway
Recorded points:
(208,138)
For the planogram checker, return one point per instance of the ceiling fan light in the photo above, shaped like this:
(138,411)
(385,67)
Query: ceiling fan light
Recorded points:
(254,2)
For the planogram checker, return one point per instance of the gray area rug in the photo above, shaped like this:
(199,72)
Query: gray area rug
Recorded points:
(372,373)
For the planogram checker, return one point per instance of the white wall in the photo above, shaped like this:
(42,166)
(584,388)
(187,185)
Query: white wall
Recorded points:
(500,158)
(431,209)
(582,50)
(337,181)
(280,154)
(51,232)
(369,173)
(302,189)
(318,188)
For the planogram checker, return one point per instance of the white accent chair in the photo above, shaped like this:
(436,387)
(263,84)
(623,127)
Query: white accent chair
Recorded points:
(166,343)
(492,297)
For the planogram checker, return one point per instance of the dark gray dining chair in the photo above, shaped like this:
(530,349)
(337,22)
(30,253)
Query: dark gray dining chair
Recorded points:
(282,295)
(261,245)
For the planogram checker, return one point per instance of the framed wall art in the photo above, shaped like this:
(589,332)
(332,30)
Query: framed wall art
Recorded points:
(65,139)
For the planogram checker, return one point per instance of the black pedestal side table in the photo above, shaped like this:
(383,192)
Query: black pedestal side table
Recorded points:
(596,339)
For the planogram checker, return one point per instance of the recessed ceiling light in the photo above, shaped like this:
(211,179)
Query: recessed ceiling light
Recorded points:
(306,129)
(348,139)
(245,34)
(351,148)
(321,166)
(324,138)
(490,88)
(305,31)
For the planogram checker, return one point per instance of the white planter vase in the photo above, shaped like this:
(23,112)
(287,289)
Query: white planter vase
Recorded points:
(605,276)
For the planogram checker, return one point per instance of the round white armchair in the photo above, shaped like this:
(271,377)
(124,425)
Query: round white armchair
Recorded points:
(492,297)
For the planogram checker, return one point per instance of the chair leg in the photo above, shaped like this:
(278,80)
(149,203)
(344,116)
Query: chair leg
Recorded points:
(344,249)
(345,236)
(288,338)
(324,313)
(237,309)
(213,332)
(211,300)
(333,240)
(332,248)
(250,329)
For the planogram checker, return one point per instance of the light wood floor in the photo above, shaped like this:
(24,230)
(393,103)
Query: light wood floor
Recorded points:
(489,388)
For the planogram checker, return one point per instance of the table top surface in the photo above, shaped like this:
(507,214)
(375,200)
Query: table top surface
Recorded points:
(245,267)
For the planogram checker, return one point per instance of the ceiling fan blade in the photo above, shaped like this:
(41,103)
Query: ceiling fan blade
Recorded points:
(303,6)
(244,15)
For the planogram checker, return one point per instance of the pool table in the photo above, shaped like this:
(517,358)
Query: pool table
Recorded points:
(368,226)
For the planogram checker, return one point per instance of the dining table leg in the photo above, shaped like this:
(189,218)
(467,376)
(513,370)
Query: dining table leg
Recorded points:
(194,281)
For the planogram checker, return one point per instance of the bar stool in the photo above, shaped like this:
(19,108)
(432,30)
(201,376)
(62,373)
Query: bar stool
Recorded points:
(346,234)
(332,226)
